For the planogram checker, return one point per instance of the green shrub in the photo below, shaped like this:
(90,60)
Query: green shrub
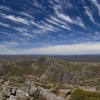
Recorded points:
(79,94)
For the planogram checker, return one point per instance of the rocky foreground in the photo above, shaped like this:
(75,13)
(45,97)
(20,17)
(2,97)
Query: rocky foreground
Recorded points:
(29,91)
(37,90)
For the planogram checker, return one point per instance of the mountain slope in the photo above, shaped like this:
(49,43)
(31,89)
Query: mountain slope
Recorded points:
(56,70)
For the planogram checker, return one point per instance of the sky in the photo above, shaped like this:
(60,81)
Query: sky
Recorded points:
(49,27)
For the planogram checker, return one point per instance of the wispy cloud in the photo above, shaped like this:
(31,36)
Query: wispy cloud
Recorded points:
(5,8)
(89,13)
(26,14)
(3,24)
(58,8)
(20,29)
(76,21)
(80,22)
(23,31)
(64,17)
(15,18)
(43,27)
(10,43)
(38,5)
(27,34)
(97,5)
(58,24)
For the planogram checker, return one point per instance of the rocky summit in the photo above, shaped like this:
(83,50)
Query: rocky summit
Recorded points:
(47,78)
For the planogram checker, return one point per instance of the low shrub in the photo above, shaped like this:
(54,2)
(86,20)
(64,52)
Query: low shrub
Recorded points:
(79,94)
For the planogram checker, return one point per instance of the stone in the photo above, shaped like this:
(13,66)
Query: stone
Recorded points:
(7,91)
(31,98)
(29,87)
(0,96)
(68,97)
(32,89)
(14,91)
(47,95)
(20,95)
(43,78)
(12,98)
(64,93)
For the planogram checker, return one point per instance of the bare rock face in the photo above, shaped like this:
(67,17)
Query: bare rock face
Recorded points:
(47,95)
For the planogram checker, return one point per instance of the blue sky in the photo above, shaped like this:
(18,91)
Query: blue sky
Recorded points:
(50,27)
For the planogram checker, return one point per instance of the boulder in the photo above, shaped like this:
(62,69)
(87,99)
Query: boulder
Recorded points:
(3,79)
(31,98)
(47,95)
(14,91)
(0,96)
(25,87)
(20,95)
(29,87)
(7,91)
(32,89)
(43,78)
(12,98)
(64,93)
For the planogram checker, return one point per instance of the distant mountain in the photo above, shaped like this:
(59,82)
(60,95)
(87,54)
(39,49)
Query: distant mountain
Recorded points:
(71,58)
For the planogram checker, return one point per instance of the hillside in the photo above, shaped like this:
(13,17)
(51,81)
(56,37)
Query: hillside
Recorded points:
(53,70)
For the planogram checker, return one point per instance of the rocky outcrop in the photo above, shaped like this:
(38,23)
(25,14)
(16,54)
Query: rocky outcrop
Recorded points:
(25,92)
(28,91)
